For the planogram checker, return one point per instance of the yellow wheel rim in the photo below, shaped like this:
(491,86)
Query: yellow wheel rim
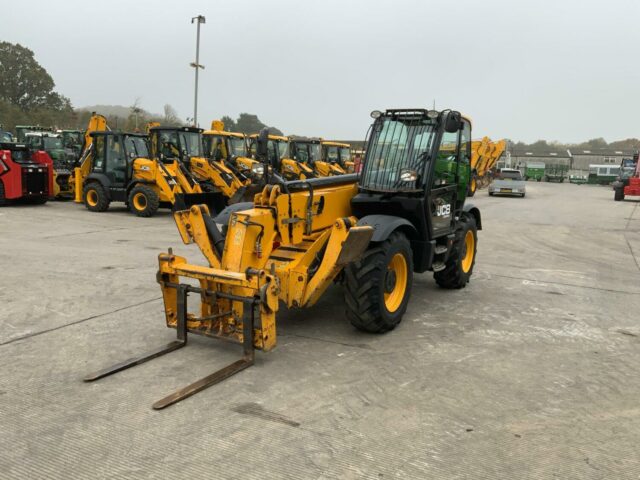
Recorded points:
(139,201)
(92,198)
(395,282)
(473,185)
(469,246)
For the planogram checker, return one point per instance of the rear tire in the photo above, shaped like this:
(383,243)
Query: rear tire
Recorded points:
(95,197)
(618,194)
(378,286)
(143,201)
(473,186)
(491,194)
(3,199)
(462,258)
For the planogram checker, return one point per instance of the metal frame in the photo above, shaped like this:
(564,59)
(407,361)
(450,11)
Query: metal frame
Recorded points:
(247,359)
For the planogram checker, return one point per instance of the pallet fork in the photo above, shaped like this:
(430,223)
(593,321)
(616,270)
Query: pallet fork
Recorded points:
(218,376)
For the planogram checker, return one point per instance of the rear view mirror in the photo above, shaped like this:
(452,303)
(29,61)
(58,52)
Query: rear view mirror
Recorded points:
(453,123)
(261,146)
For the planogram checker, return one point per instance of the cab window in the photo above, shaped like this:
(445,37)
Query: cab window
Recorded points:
(98,154)
(332,154)
(447,159)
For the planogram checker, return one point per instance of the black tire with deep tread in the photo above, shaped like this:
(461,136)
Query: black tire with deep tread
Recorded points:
(363,292)
(3,199)
(153,201)
(103,198)
(618,194)
(453,276)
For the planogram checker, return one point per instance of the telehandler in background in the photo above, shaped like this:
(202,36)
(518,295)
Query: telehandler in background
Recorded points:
(338,153)
(231,148)
(280,159)
(406,213)
(308,151)
(484,155)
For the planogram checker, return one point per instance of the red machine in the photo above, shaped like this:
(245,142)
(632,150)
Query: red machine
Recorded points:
(628,182)
(24,175)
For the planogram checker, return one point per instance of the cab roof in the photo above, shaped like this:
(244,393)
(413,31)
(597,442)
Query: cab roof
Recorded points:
(336,144)
(179,129)
(272,137)
(224,133)
(297,139)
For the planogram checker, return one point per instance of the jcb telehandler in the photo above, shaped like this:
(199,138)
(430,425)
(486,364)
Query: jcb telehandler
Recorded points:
(308,151)
(279,158)
(485,154)
(406,213)
(231,148)
(338,152)
(120,167)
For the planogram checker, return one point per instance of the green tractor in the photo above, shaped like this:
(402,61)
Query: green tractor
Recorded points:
(72,142)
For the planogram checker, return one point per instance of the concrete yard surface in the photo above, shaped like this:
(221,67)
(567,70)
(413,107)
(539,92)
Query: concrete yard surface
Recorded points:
(530,372)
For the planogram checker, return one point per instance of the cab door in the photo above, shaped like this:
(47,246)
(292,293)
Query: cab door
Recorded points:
(443,193)
(115,167)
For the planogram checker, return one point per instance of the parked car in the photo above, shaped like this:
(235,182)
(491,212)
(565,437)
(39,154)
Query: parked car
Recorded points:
(509,181)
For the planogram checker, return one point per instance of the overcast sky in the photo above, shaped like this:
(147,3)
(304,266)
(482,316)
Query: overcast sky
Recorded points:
(565,70)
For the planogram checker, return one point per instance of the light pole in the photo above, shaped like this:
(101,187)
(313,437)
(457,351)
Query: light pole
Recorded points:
(198,20)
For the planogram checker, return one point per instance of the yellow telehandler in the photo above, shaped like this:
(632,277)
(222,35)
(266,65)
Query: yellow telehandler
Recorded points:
(280,159)
(338,153)
(309,151)
(231,148)
(484,155)
(405,213)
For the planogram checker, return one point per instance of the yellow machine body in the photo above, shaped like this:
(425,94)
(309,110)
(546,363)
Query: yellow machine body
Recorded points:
(338,154)
(484,155)
(280,158)
(97,123)
(270,255)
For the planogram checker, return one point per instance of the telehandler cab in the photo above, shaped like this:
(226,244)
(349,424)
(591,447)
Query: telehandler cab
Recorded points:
(231,148)
(308,151)
(406,213)
(338,152)
(280,159)
(215,176)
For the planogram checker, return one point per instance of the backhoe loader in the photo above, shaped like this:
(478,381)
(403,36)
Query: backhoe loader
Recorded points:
(405,213)
(308,151)
(484,155)
(231,148)
(120,167)
(338,152)
(280,158)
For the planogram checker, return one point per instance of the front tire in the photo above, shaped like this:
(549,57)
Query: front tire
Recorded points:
(3,199)
(95,197)
(143,201)
(378,286)
(462,258)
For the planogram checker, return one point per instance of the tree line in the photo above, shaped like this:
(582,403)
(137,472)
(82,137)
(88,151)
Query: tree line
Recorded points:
(593,144)
(28,97)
